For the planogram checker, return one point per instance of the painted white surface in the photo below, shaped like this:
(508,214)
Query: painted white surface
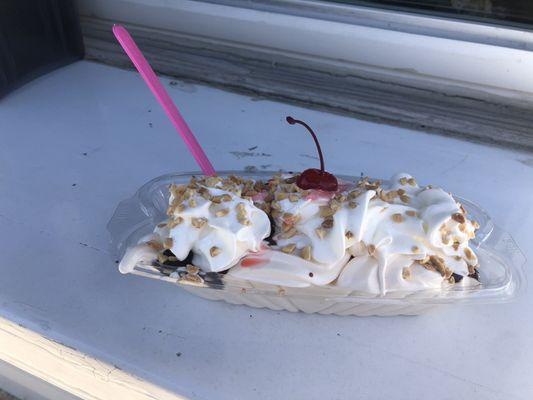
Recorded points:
(456,64)
(25,386)
(57,278)
(69,369)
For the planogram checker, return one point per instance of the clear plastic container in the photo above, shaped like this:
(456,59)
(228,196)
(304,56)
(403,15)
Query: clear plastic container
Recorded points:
(501,265)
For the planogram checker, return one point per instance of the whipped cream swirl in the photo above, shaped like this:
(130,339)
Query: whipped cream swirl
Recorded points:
(401,236)
(217,225)
(368,237)
(410,236)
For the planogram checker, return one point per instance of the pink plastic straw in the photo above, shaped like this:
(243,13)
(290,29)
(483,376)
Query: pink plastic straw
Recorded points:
(147,73)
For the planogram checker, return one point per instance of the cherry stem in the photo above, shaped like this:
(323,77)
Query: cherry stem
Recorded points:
(293,121)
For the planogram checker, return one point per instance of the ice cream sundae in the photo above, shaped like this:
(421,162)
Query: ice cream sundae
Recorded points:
(310,229)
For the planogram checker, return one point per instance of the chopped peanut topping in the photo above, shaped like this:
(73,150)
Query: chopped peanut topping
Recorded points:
(215,251)
(306,253)
(199,222)
(222,212)
(168,243)
(289,248)
(458,217)
(397,218)
(321,232)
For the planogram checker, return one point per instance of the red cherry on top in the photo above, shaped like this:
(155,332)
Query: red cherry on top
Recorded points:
(313,178)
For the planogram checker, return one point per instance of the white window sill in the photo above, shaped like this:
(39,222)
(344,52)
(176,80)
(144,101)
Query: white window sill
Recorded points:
(85,328)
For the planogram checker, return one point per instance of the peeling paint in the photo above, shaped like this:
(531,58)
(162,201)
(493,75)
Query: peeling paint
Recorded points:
(243,154)
(183,86)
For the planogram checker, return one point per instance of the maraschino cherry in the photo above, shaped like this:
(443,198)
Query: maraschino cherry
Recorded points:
(313,178)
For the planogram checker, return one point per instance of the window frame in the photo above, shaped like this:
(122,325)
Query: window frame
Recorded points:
(487,62)
(470,30)
(423,81)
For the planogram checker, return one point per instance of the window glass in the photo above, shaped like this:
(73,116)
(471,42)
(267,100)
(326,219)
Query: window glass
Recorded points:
(505,12)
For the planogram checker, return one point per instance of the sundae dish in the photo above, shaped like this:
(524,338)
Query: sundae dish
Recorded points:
(311,231)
